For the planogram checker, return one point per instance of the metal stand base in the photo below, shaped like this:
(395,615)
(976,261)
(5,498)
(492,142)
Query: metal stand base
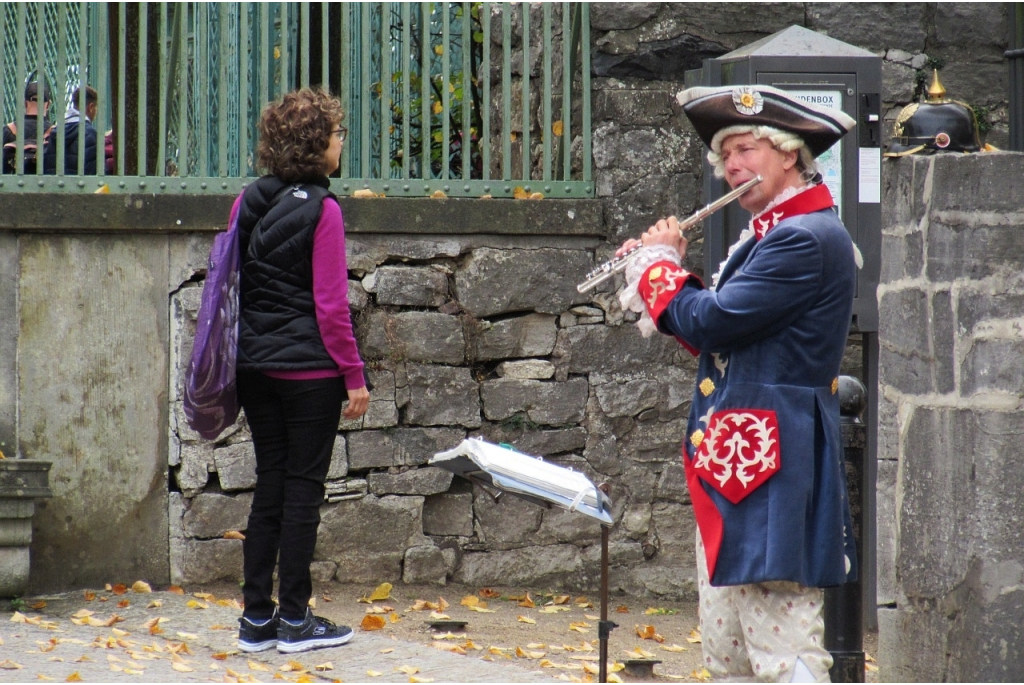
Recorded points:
(605,627)
(847,667)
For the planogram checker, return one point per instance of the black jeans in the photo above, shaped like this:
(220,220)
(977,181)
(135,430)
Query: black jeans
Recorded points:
(293,424)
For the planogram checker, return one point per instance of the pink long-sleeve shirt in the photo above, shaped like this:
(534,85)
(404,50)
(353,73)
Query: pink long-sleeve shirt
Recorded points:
(330,296)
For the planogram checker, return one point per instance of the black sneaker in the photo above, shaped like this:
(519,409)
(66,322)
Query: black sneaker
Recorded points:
(314,632)
(256,637)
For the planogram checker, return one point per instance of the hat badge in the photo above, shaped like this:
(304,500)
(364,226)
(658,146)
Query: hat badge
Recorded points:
(747,101)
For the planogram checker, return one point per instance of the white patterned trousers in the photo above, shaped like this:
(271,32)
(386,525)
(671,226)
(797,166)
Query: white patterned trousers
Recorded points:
(756,632)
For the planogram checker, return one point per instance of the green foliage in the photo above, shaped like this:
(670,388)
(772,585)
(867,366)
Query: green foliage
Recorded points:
(983,115)
(18,604)
(922,77)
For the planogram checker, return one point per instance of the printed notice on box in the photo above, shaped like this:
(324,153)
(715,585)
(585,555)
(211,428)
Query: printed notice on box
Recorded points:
(869,185)
(830,162)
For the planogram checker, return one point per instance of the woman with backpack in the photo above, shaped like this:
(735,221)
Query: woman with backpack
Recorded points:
(297,362)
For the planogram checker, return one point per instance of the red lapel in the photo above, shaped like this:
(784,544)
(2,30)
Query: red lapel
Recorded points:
(813,199)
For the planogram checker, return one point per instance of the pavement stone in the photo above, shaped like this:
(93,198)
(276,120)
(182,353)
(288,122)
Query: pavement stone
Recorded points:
(198,644)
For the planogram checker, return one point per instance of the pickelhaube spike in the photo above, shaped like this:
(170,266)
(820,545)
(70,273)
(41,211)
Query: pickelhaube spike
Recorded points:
(936,91)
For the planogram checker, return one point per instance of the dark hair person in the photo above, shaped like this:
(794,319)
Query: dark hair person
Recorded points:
(297,362)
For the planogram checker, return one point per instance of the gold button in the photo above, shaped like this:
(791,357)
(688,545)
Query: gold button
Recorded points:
(707,386)
(835,385)
(697,437)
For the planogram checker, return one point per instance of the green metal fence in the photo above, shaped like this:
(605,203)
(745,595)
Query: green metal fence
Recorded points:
(465,98)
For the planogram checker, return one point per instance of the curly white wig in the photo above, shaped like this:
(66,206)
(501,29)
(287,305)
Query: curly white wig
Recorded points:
(781,140)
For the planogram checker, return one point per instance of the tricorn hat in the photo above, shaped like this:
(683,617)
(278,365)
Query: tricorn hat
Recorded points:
(712,109)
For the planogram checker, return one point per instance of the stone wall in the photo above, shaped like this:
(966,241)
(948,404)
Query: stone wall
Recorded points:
(951,558)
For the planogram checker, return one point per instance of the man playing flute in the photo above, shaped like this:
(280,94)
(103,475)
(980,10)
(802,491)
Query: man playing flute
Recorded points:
(763,453)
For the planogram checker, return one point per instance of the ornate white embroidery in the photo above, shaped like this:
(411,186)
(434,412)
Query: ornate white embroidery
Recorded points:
(733,453)
(721,362)
(630,298)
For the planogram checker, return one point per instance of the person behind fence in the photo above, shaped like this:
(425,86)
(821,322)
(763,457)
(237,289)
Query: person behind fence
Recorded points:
(30,141)
(297,362)
(763,450)
(73,125)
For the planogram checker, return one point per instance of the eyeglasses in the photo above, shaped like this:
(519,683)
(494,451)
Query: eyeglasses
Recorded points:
(341,132)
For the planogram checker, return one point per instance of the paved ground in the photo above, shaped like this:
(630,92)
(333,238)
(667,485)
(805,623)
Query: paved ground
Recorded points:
(196,642)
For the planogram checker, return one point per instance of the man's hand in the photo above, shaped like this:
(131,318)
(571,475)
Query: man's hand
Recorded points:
(358,403)
(665,232)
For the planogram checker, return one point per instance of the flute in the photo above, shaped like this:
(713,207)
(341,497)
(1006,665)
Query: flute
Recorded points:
(618,264)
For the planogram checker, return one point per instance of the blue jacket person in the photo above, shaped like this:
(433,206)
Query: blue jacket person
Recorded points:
(763,455)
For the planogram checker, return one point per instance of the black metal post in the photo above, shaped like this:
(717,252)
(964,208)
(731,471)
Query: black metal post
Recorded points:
(604,627)
(844,619)
(1015,55)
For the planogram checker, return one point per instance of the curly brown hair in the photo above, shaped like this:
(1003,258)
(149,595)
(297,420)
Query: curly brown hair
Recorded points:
(295,132)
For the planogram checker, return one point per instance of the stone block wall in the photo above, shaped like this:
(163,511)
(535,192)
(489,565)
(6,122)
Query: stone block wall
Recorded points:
(951,305)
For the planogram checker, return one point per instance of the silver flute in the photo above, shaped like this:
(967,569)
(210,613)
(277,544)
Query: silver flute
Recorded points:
(619,264)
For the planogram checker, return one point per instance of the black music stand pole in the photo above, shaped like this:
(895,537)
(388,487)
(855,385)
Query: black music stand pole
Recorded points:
(604,627)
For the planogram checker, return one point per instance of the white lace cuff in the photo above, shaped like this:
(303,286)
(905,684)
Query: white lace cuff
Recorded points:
(630,298)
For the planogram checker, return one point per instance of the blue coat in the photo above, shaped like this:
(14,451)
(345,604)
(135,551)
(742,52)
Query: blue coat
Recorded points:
(771,339)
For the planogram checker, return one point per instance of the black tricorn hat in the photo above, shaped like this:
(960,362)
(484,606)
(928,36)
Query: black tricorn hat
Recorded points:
(712,109)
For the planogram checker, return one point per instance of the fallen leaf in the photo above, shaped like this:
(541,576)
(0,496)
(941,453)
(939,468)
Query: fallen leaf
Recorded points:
(580,627)
(293,667)
(379,609)
(141,586)
(556,128)
(374,674)
(622,609)
(81,613)
(414,679)
(118,589)
(870,668)
(613,678)
(234,535)
(520,193)
(193,604)
(118,632)
(525,654)
(257,666)
(134,671)
(382,592)
(123,604)
(694,637)
(394,618)
(869,659)
(438,616)
(312,602)
(648,633)
(187,636)
(229,603)
(371,622)
(640,653)
(652,611)
(73,678)
(546,663)
(591,617)
(488,593)
(560,599)
(499,651)
(482,610)
(387,650)
(702,675)
(446,647)
(552,609)
(38,606)
(408,670)
(176,590)
(9,665)
(527,602)
(219,656)
(89,595)
(674,648)
(526,619)
(438,195)
(469,644)
(155,604)
(472,601)
(219,626)
(203,595)
(181,668)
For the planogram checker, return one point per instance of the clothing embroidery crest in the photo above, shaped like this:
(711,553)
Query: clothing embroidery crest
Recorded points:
(739,451)
(662,280)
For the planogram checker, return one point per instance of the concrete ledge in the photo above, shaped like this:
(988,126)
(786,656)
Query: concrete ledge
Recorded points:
(148,213)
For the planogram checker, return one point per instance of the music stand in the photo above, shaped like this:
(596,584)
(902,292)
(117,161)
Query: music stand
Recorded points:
(545,484)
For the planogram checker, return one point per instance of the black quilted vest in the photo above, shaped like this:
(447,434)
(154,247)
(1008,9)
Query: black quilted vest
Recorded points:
(277,324)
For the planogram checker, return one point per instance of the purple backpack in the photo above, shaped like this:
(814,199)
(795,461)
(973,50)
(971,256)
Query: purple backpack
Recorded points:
(211,399)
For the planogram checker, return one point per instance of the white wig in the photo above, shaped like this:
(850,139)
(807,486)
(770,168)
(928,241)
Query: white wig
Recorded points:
(780,140)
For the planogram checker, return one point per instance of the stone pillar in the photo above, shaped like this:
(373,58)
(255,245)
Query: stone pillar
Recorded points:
(22,481)
(951,331)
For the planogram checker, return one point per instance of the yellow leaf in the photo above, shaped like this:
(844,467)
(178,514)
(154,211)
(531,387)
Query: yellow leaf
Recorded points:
(488,593)
(408,670)
(382,592)
(81,613)
(119,632)
(303,679)
(394,618)
(536,645)
(155,604)
(673,648)
(203,595)
(591,617)
(371,622)
(326,666)
(38,606)
(89,595)
(525,619)
(446,647)
(580,627)
(560,599)
(234,535)
(519,193)
(472,601)
(613,678)
(414,679)
(176,590)
(438,616)
(694,637)
(546,663)
(702,675)
(141,586)
(181,668)
(293,667)
(220,656)
(622,609)
(438,195)
(257,666)
(73,678)
(187,636)
(439,49)
(499,651)
(9,665)
(437,108)
(193,604)
(556,128)
(469,644)
(481,610)
(640,653)
(374,674)
(387,650)
(527,602)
